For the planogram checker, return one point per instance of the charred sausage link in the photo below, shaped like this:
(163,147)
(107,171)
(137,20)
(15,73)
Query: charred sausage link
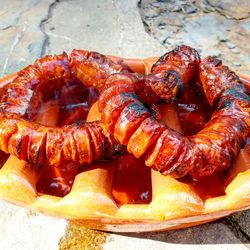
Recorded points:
(24,95)
(21,99)
(130,122)
(173,70)
(183,60)
(168,151)
(93,68)
(124,115)
(36,144)
(220,141)
(217,145)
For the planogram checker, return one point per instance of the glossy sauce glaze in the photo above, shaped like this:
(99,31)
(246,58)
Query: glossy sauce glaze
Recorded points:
(57,181)
(74,104)
(209,186)
(194,112)
(3,158)
(132,179)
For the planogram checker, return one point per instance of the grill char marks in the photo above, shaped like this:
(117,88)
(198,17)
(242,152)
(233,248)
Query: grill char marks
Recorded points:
(167,151)
(20,101)
(123,115)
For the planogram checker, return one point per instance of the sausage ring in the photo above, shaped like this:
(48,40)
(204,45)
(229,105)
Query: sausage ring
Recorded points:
(21,98)
(165,150)
(84,143)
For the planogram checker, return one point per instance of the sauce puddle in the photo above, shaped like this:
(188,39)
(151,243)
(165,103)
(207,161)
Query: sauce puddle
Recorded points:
(132,179)
(3,158)
(74,103)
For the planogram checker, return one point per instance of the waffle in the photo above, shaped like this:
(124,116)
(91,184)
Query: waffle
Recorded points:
(174,204)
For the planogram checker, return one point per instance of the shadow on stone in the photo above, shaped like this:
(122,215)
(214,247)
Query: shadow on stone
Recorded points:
(211,233)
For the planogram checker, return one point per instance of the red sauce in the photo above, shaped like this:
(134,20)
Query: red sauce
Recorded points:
(132,181)
(193,110)
(208,186)
(248,144)
(57,181)
(75,101)
(3,158)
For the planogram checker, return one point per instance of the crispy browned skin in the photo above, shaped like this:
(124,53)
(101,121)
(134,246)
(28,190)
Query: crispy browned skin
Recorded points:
(93,68)
(168,75)
(24,95)
(167,151)
(219,142)
(22,98)
(35,143)
(183,60)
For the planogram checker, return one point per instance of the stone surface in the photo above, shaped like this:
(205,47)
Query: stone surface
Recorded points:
(32,28)
(21,36)
(111,27)
(202,237)
(237,10)
(220,28)
(204,234)
(241,221)
(22,229)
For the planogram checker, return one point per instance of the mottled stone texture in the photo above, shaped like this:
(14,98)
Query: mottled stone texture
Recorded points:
(109,27)
(210,236)
(22,38)
(214,27)
(32,28)
(25,230)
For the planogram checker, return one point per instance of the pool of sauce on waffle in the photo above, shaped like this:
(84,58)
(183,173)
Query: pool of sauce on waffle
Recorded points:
(132,179)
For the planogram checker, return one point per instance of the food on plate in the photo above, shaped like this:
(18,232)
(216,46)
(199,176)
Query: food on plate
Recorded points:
(22,96)
(180,96)
(125,119)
